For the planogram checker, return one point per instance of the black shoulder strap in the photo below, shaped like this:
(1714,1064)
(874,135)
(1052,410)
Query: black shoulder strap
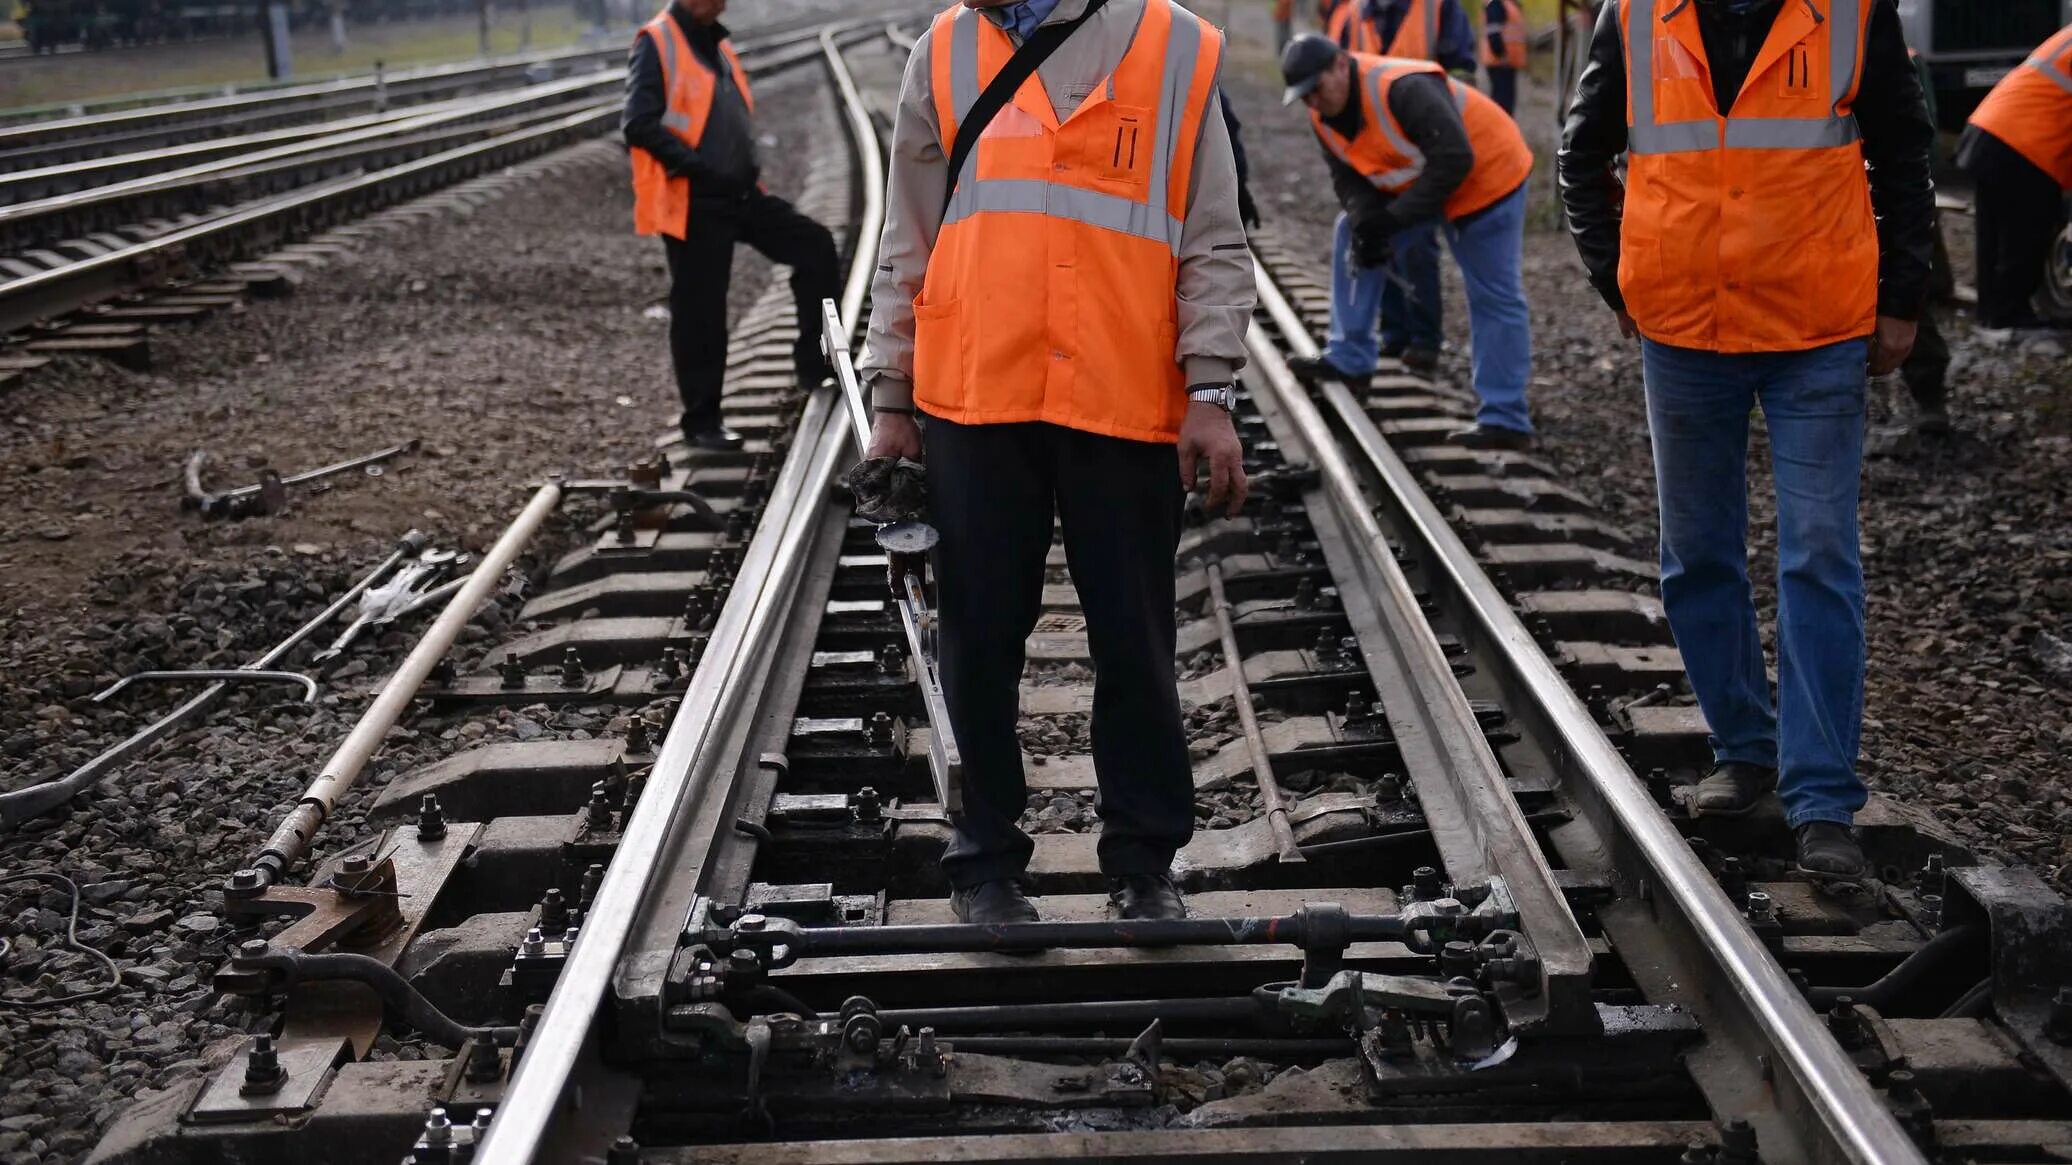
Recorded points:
(1033,52)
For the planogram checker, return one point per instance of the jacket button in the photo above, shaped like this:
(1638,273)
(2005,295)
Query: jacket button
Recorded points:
(1060,167)
(1733,285)
(1735,192)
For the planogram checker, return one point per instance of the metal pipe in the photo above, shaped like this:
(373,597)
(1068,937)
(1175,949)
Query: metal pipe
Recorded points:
(1300,929)
(1255,741)
(36,800)
(1264,1047)
(291,840)
(533,1097)
(1234,1009)
(228,676)
(1805,1068)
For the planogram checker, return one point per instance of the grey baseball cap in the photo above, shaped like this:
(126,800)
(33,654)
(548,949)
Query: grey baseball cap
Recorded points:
(1303,63)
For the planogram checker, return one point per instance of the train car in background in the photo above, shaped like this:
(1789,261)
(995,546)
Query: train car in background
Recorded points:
(1969,45)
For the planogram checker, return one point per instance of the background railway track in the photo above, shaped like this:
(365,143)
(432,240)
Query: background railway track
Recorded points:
(1649,988)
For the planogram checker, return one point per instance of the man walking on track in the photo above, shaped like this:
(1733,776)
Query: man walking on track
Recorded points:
(1065,309)
(2018,146)
(689,123)
(1765,257)
(1503,51)
(1410,147)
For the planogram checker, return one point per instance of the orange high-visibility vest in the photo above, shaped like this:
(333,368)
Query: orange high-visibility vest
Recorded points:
(661,202)
(1387,157)
(1283,10)
(1750,231)
(1051,294)
(1417,37)
(2031,108)
(1513,31)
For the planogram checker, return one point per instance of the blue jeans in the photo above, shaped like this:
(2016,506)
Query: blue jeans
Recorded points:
(1488,250)
(1361,294)
(1813,406)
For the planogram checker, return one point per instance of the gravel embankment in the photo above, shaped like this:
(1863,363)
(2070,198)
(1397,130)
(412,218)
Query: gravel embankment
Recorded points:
(512,342)
(1968,556)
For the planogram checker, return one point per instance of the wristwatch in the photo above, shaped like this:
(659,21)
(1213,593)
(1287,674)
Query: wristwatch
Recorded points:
(1223,396)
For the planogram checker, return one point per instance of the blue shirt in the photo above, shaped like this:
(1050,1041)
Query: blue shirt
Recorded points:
(1023,16)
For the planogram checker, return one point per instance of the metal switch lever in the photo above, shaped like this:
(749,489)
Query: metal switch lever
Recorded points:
(219,675)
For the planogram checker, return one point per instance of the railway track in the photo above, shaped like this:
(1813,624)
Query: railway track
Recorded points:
(68,257)
(1448,905)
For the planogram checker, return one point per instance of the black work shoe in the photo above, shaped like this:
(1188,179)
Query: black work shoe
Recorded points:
(1315,369)
(1420,359)
(1490,437)
(1828,851)
(1141,896)
(992,903)
(717,437)
(1732,788)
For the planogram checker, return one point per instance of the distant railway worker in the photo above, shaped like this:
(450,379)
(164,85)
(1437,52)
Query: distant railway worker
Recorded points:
(1761,263)
(2018,147)
(689,120)
(1411,147)
(1283,20)
(1069,326)
(1412,310)
(1503,51)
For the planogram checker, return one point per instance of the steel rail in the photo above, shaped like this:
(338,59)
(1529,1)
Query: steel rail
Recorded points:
(1808,1100)
(1482,834)
(755,610)
(280,144)
(60,290)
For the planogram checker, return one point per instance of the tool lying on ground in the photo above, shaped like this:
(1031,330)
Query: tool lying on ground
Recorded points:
(270,493)
(36,800)
(415,584)
(906,545)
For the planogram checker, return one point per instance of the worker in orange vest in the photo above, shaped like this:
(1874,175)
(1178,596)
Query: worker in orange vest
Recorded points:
(1771,243)
(689,125)
(1283,20)
(1503,50)
(1081,392)
(1409,146)
(1412,315)
(2018,147)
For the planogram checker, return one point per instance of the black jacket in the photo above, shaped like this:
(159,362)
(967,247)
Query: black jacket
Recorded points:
(1890,112)
(723,166)
(1423,105)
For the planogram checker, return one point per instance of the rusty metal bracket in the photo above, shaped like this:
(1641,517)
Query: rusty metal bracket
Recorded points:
(371,902)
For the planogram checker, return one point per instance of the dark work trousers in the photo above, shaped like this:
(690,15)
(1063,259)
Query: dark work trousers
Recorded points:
(700,266)
(992,494)
(2019,210)
(1503,88)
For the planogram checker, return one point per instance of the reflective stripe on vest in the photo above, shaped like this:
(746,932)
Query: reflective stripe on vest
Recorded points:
(1513,31)
(1649,136)
(1149,219)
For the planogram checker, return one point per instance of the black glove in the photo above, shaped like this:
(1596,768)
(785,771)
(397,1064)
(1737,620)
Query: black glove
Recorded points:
(1372,249)
(1247,210)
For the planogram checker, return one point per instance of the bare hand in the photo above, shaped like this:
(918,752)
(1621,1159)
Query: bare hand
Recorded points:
(1207,432)
(1891,343)
(895,435)
(1627,327)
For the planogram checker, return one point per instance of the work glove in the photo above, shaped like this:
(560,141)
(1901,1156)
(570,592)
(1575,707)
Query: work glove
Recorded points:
(1247,210)
(1372,249)
(889,489)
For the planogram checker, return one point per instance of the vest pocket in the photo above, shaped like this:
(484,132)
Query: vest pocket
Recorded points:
(1115,144)
(939,355)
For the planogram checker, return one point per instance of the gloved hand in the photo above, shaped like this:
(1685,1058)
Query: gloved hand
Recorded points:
(1247,210)
(889,489)
(1372,249)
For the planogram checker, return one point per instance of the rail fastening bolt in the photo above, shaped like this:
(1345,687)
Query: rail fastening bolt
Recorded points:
(1760,908)
(253,948)
(1426,880)
(1931,911)
(356,865)
(431,819)
(751,923)
(553,911)
(263,1073)
(246,881)
(533,945)
(600,808)
(624,1151)
(572,673)
(438,1128)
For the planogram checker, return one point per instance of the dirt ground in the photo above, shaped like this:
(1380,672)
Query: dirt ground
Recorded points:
(1967,553)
